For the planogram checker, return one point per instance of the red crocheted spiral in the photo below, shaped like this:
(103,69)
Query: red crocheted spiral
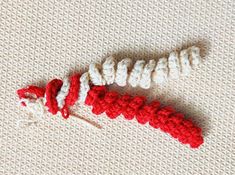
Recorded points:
(165,118)
(114,104)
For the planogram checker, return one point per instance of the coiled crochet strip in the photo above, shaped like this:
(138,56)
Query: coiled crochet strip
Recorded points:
(58,96)
(165,118)
(142,73)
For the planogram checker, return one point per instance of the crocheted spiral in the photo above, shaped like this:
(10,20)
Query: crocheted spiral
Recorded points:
(165,118)
(141,73)
(59,95)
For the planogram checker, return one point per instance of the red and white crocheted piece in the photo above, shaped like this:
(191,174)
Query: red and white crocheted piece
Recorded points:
(90,88)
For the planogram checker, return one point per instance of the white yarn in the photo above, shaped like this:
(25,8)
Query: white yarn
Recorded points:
(95,75)
(136,73)
(194,57)
(146,77)
(109,70)
(161,71)
(122,71)
(174,65)
(64,90)
(141,74)
(184,62)
(84,86)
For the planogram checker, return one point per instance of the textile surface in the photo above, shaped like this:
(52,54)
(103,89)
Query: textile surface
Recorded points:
(42,40)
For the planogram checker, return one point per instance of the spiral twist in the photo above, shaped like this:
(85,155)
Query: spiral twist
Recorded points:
(142,73)
(165,118)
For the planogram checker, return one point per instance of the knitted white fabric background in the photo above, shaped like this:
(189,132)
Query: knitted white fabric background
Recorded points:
(41,40)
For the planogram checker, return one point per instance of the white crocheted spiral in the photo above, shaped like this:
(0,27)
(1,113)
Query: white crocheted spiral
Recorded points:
(141,73)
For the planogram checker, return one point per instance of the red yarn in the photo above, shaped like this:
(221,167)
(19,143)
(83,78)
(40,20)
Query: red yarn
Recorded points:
(72,96)
(96,93)
(52,89)
(165,118)
(114,104)
(133,107)
(113,109)
(148,111)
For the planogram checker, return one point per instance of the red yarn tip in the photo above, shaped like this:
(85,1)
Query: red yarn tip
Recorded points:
(31,92)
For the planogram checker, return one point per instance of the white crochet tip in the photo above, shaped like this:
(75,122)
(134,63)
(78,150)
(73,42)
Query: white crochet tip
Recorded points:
(95,75)
(194,57)
(63,93)
(136,72)
(161,71)
(146,77)
(84,86)
(174,65)
(185,63)
(122,72)
(109,70)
